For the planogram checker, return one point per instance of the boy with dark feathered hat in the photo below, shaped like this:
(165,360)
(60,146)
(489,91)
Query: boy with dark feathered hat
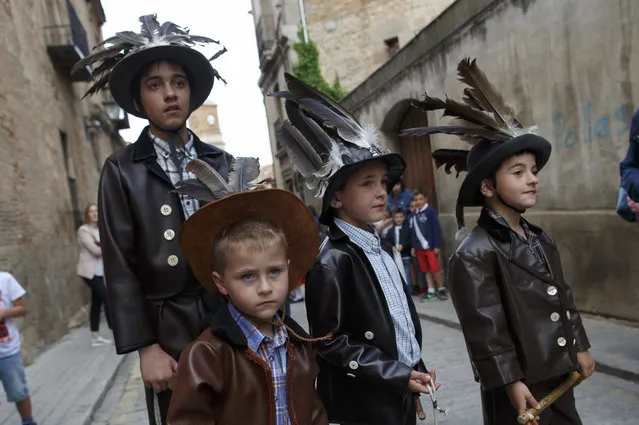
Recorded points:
(157,304)
(523,331)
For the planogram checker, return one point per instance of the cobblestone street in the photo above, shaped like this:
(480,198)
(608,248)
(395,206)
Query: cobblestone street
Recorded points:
(602,399)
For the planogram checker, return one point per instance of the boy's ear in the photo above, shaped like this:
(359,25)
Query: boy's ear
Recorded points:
(487,188)
(219,283)
(335,201)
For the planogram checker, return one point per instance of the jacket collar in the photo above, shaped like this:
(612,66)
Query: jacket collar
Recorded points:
(502,233)
(224,326)
(143,149)
(334,233)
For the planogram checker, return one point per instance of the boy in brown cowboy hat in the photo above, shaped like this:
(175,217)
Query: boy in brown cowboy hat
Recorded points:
(254,365)
(371,371)
(517,313)
(157,306)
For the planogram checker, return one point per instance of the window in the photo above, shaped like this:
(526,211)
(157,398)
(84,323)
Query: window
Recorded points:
(71,181)
(392,46)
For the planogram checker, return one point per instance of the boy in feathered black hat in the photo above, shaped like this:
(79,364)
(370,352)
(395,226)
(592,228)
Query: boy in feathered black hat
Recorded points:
(371,371)
(157,306)
(517,313)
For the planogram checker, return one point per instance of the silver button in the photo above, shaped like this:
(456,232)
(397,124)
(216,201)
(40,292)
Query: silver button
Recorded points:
(574,341)
(552,290)
(368,335)
(166,210)
(568,314)
(172,260)
(353,364)
(554,317)
(169,234)
(271,359)
(561,341)
(350,375)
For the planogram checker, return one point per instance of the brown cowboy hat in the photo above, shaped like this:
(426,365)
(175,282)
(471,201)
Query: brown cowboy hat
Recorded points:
(280,207)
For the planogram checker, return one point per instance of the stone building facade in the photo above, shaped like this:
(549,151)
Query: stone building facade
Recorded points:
(354,37)
(205,123)
(52,147)
(576,83)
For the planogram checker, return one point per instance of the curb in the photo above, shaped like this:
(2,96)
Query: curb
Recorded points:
(108,385)
(604,368)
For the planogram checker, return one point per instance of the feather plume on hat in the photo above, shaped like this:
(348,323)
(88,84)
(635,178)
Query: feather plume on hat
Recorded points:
(482,115)
(321,136)
(125,43)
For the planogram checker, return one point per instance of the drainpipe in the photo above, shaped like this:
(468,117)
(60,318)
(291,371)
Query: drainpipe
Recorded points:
(303,16)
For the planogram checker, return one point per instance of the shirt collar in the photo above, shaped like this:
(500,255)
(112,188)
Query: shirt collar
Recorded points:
(368,240)
(255,338)
(422,209)
(502,221)
(162,147)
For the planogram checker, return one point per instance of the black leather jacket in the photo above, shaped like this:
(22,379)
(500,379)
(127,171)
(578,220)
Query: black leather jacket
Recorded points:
(140,219)
(518,316)
(360,379)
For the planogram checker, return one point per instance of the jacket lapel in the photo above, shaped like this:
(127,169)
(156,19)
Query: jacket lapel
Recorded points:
(143,151)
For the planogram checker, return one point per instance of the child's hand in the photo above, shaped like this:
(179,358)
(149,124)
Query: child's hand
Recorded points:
(586,363)
(400,247)
(394,249)
(412,252)
(519,394)
(436,251)
(417,382)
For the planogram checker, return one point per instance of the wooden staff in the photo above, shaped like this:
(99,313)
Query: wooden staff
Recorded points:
(529,415)
(418,407)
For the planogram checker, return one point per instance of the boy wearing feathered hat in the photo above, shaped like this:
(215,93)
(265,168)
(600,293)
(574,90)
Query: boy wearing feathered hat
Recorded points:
(254,364)
(371,371)
(157,305)
(517,313)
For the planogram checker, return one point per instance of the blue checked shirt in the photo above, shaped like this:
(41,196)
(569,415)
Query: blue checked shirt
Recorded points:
(391,282)
(184,154)
(273,352)
(531,240)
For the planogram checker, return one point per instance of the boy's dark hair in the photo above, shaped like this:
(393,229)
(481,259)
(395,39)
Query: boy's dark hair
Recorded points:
(253,234)
(137,80)
(397,211)
(420,191)
(400,182)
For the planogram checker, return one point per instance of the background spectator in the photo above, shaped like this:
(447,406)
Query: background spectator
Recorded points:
(399,197)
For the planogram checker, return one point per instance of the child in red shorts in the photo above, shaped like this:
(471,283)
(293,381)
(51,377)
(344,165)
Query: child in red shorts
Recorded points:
(426,243)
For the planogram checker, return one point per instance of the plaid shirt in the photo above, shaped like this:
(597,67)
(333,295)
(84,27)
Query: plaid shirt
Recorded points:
(184,154)
(273,352)
(531,240)
(387,273)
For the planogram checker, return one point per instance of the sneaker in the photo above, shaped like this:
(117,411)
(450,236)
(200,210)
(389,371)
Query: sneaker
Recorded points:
(99,341)
(429,296)
(441,294)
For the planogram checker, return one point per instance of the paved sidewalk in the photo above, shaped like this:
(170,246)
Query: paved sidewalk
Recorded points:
(615,345)
(67,381)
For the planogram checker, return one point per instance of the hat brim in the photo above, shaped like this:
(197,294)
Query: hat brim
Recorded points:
(470,194)
(280,207)
(199,69)
(394,162)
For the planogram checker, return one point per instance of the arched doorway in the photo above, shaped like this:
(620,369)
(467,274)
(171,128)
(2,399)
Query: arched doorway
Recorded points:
(418,155)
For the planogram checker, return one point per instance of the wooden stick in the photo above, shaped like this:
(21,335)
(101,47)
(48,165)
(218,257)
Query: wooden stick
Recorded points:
(418,407)
(530,414)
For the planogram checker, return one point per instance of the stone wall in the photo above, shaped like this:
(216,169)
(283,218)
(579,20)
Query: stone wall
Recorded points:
(568,67)
(37,227)
(350,34)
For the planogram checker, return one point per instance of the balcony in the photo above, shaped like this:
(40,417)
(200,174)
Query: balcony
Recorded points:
(265,36)
(67,44)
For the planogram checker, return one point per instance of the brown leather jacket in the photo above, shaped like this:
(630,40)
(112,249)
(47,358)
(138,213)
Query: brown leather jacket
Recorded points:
(518,317)
(140,219)
(220,381)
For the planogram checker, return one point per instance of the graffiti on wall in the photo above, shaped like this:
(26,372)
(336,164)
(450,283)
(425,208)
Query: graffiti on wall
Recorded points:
(594,126)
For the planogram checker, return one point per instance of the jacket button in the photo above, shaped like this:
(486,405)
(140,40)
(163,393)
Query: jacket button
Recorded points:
(574,341)
(554,317)
(561,341)
(368,335)
(172,260)
(568,314)
(169,234)
(353,364)
(552,291)
(166,210)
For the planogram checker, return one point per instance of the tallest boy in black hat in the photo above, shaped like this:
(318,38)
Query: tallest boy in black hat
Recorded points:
(156,303)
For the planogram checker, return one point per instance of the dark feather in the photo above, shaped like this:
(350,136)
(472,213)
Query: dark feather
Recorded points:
(473,133)
(202,40)
(195,189)
(97,57)
(218,54)
(346,127)
(319,140)
(243,171)
(302,153)
(430,103)
(456,109)
(487,95)
(150,28)
(471,100)
(209,177)
(451,158)
(170,28)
